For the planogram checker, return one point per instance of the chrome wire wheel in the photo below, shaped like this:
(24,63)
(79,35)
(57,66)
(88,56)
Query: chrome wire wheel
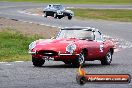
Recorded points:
(107,59)
(81,58)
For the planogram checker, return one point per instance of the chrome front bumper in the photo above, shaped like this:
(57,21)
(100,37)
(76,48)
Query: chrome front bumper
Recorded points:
(67,54)
(60,54)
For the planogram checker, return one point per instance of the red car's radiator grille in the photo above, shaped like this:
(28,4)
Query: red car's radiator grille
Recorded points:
(47,53)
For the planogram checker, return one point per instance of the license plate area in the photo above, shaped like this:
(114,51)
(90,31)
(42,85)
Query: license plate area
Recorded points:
(47,58)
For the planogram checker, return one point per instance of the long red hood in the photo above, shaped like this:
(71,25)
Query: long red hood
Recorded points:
(54,44)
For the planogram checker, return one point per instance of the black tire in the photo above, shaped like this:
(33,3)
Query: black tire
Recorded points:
(80,60)
(67,62)
(107,59)
(69,17)
(38,62)
(59,17)
(45,14)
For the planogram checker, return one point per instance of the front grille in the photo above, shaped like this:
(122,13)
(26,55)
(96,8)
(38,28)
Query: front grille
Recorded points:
(48,53)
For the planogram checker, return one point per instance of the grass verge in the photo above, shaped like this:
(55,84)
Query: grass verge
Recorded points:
(77,1)
(14,46)
(105,14)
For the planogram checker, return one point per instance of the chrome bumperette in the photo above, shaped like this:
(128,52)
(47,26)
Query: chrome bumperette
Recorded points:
(48,58)
(30,52)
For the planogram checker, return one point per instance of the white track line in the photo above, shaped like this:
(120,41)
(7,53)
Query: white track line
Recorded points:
(18,61)
(8,64)
(3,62)
(29,13)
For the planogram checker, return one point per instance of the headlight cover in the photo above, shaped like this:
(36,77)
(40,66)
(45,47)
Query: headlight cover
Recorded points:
(71,12)
(32,45)
(71,48)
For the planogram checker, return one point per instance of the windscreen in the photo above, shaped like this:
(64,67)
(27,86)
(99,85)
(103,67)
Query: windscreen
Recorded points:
(81,34)
(58,7)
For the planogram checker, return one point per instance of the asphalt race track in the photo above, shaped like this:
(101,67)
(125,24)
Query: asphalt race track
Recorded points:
(56,74)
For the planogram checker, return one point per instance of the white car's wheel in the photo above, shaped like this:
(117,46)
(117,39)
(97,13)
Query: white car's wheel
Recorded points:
(59,17)
(69,17)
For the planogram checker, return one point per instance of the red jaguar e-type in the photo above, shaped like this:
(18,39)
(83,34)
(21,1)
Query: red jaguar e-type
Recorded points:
(73,46)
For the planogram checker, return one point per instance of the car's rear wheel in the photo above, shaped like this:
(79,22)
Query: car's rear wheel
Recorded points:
(107,59)
(45,14)
(69,17)
(80,60)
(38,62)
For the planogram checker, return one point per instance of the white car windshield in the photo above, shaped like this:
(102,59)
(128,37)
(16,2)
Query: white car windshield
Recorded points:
(58,7)
(81,34)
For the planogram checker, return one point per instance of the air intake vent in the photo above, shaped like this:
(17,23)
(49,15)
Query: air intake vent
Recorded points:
(47,53)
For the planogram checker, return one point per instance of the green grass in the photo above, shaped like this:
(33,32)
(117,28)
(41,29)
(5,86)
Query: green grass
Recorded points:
(78,1)
(14,46)
(109,14)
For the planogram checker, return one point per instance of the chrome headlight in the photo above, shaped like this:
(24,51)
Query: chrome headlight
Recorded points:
(70,12)
(32,45)
(71,48)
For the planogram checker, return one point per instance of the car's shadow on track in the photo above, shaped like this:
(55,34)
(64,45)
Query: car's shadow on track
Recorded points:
(98,65)
(87,65)
(58,66)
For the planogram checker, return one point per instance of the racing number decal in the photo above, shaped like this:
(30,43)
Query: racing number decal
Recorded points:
(101,48)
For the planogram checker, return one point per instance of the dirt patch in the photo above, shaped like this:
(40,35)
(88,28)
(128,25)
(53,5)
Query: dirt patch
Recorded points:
(28,28)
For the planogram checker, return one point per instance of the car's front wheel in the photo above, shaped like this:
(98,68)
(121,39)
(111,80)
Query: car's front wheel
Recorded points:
(80,60)
(38,62)
(107,59)
(69,17)
(59,17)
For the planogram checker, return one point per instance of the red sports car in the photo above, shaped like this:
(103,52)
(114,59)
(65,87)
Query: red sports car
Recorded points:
(73,46)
